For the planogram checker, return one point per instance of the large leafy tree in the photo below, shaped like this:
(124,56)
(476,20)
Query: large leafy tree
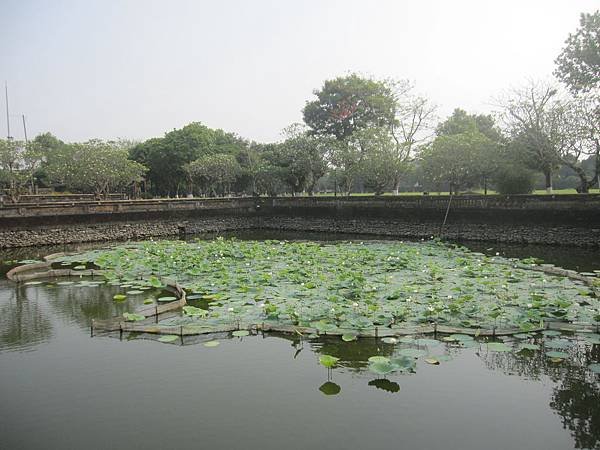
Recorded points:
(456,159)
(166,157)
(94,166)
(349,103)
(487,158)
(302,155)
(578,65)
(215,173)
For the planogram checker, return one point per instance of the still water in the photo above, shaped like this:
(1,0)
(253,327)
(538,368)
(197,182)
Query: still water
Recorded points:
(60,388)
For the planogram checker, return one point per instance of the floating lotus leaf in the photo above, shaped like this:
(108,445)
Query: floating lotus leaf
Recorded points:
(134,292)
(79,267)
(412,352)
(168,338)
(382,367)
(330,388)
(148,301)
(348,337)
(33,283)
(119,297)
(65,283)
(240,333)
(374,359)
(551,333)
(557,355)
(211,343)
(166,299)
(389,340)
(192,311)
(132,317)
(461,337)
(328,361)
(498,347)
(529,347)
(522,336)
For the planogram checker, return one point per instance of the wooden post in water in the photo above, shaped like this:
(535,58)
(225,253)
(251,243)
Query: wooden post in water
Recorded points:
(156,310)
(92,329)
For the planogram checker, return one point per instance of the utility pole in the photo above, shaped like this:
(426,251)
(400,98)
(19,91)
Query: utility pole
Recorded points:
(7,115)
(24,128)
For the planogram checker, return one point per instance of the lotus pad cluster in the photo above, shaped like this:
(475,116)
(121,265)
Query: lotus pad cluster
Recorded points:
(348,285)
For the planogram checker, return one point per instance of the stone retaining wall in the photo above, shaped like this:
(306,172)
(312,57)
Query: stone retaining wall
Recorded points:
(559,220)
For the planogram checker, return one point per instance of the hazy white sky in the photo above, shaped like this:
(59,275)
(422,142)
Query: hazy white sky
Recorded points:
(138,68)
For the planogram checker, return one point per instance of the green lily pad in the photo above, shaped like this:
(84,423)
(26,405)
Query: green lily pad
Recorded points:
(375,359)
(382,367)
(328,361)
(134,292)
(412,352)
(119,297)
(389,340)
(348,337)
(551,333)
(211,343)
(166,299)
(132,317)
(557,355)
(240,333)
(498,347)
(528,347)
(168,338)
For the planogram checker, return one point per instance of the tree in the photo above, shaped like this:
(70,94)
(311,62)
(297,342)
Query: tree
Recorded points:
(18,163)
(94,166)
(410,131)
(486,162)
(579,62)
(349,103)
(580,130)
(215,173)
(456,159)
(534,117)
(166,157)
(303,156)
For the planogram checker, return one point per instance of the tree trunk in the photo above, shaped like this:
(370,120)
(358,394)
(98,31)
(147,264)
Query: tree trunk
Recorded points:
(548,175)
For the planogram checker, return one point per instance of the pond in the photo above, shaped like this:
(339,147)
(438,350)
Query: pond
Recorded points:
(62,388)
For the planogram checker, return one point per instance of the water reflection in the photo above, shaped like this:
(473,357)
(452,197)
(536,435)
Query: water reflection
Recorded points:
(23,322)
(576,391)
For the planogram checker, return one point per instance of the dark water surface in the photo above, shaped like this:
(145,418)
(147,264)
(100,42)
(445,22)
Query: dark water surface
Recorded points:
(62,389)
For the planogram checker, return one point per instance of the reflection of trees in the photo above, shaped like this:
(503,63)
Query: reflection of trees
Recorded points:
(23,323)
(354,354)
(576,395)
(82,304)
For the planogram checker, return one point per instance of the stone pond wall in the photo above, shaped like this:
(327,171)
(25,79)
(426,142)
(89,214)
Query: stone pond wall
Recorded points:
(557,220)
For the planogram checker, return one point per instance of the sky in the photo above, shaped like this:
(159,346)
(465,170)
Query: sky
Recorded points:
(136,69)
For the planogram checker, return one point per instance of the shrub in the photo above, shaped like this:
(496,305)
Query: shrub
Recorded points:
(510,180)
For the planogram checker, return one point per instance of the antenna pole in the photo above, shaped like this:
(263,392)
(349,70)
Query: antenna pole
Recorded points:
(7,115)
(24,128)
